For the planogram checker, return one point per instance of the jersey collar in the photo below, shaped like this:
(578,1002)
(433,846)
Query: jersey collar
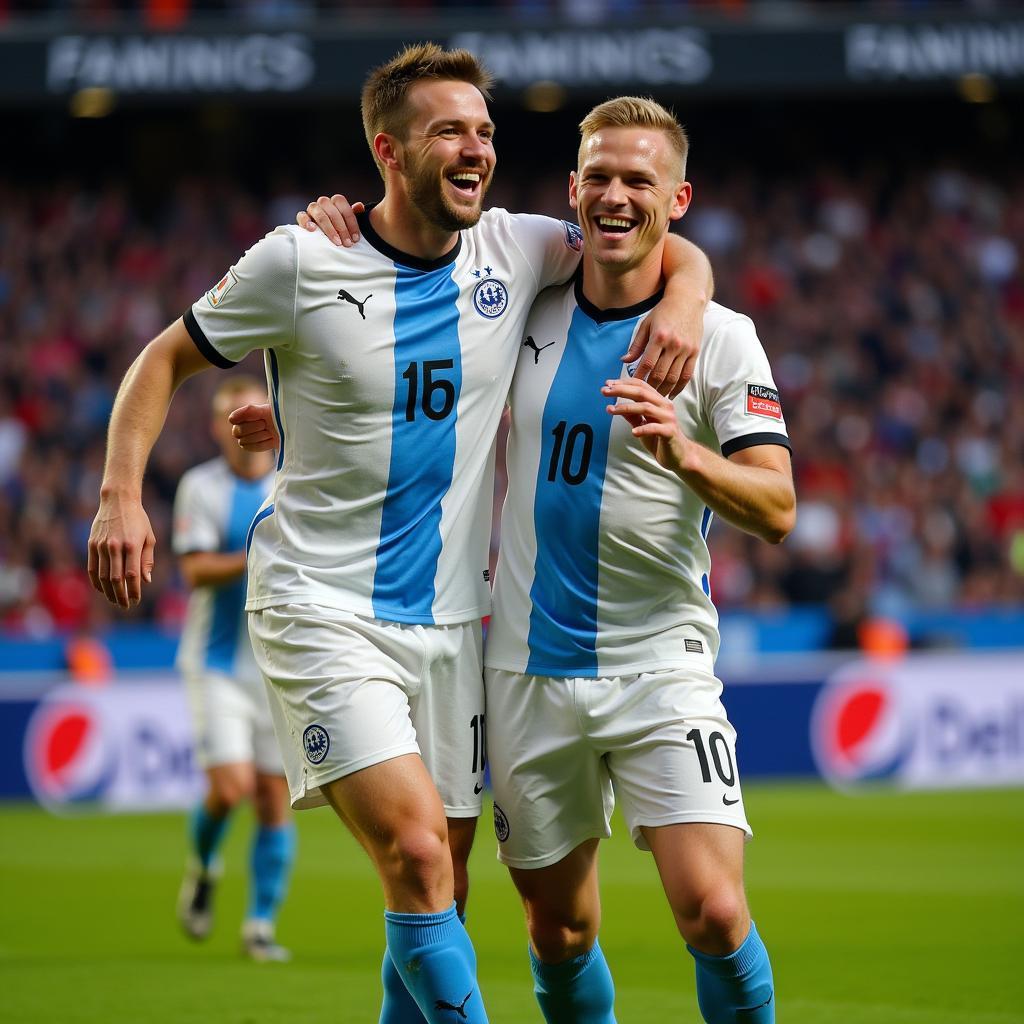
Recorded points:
(405,258)
(601,316)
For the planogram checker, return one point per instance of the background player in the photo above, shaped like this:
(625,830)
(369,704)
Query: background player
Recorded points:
(366,581)
(601,649)
(235,740)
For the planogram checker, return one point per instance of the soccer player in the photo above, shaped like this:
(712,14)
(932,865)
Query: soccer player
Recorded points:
(600,656)
(389,363)
(235,743)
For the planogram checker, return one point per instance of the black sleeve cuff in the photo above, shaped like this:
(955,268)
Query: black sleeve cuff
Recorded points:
(737,444)
(202,343)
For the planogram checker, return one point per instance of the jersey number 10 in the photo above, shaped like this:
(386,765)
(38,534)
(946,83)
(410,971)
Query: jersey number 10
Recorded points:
(568,438)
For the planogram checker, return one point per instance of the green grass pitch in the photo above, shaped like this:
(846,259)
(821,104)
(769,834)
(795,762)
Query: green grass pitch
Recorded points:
(887,908)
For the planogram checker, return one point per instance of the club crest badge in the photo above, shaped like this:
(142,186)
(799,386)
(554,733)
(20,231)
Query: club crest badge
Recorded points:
(490,298)
(316,742)
(501,828)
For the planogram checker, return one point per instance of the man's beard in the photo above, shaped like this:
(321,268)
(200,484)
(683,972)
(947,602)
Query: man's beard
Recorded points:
(427,195)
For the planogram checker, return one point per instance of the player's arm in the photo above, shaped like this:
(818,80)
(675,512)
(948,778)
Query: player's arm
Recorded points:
(752,488)
(212,568)
(670,336)
(121,540)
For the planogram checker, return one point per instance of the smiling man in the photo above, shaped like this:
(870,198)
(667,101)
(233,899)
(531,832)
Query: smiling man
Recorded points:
(389,362)
(600,657)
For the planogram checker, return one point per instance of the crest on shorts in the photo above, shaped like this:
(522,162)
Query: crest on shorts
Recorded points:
(500,824)
(316,743)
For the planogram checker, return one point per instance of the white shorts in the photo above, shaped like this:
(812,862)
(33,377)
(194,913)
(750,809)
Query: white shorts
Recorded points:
(562,750)
(232,723)
(351,691)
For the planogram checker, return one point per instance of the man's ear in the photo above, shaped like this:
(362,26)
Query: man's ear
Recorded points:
(388,150)
(573,201)
(681,200)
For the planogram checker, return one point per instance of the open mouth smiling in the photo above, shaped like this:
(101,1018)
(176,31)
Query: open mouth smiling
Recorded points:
(466,183)
(613,227)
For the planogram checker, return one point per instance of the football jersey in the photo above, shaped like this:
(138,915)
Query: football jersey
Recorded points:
(212,512)
(388,375)
(603,567)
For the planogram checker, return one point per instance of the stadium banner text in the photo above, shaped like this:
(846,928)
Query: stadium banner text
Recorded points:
(854,55)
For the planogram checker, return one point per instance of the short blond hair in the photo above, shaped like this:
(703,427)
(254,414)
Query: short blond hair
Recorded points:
(386,89)
(637,112)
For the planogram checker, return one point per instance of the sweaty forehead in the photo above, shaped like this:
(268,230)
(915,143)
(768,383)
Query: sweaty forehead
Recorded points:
(623,149)
(438,99)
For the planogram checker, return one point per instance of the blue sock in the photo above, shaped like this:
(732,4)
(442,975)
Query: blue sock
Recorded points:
(398,1006)
(206,833)
(435,959)
(577,991)
(271,857)
(738,988)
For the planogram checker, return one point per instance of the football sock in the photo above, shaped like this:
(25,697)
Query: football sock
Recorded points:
(206,833)
(577,991)
(738,988)
(433,956)
(271,857)
(398,1006)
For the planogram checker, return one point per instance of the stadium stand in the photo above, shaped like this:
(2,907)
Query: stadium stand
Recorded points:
(892,307)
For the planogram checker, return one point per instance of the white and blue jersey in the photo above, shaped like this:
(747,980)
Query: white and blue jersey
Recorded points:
(604,567)
(388,375)
(212,512)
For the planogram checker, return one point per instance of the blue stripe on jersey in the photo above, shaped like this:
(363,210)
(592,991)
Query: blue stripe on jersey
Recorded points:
(705,525)
(705,522)
(428,380)
(229,599)
(260,516)
(275,381)
(567,514)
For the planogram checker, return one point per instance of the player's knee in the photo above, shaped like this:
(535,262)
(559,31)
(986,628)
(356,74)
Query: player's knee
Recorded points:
(419,857)
(558,937)
(717,921)
(227,793)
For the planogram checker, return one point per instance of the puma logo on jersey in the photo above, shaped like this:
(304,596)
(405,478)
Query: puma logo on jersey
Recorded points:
(531,344)
(442,1005)
(342,294)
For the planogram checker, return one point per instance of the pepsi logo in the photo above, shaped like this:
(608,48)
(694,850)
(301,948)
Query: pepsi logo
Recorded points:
(67,758)
(858,731)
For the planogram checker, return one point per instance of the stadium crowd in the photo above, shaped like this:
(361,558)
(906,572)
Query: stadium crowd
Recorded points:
(165,14)
(892,310)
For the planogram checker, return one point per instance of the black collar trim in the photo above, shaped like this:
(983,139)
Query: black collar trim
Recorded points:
(406,259)
(601,316)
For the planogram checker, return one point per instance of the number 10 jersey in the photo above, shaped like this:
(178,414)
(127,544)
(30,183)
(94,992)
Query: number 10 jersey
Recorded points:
(604,566)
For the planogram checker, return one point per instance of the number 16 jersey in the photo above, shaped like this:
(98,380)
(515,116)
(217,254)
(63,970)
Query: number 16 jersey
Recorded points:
(387,376)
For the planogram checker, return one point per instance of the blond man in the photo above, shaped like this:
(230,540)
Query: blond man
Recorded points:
(600,657)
